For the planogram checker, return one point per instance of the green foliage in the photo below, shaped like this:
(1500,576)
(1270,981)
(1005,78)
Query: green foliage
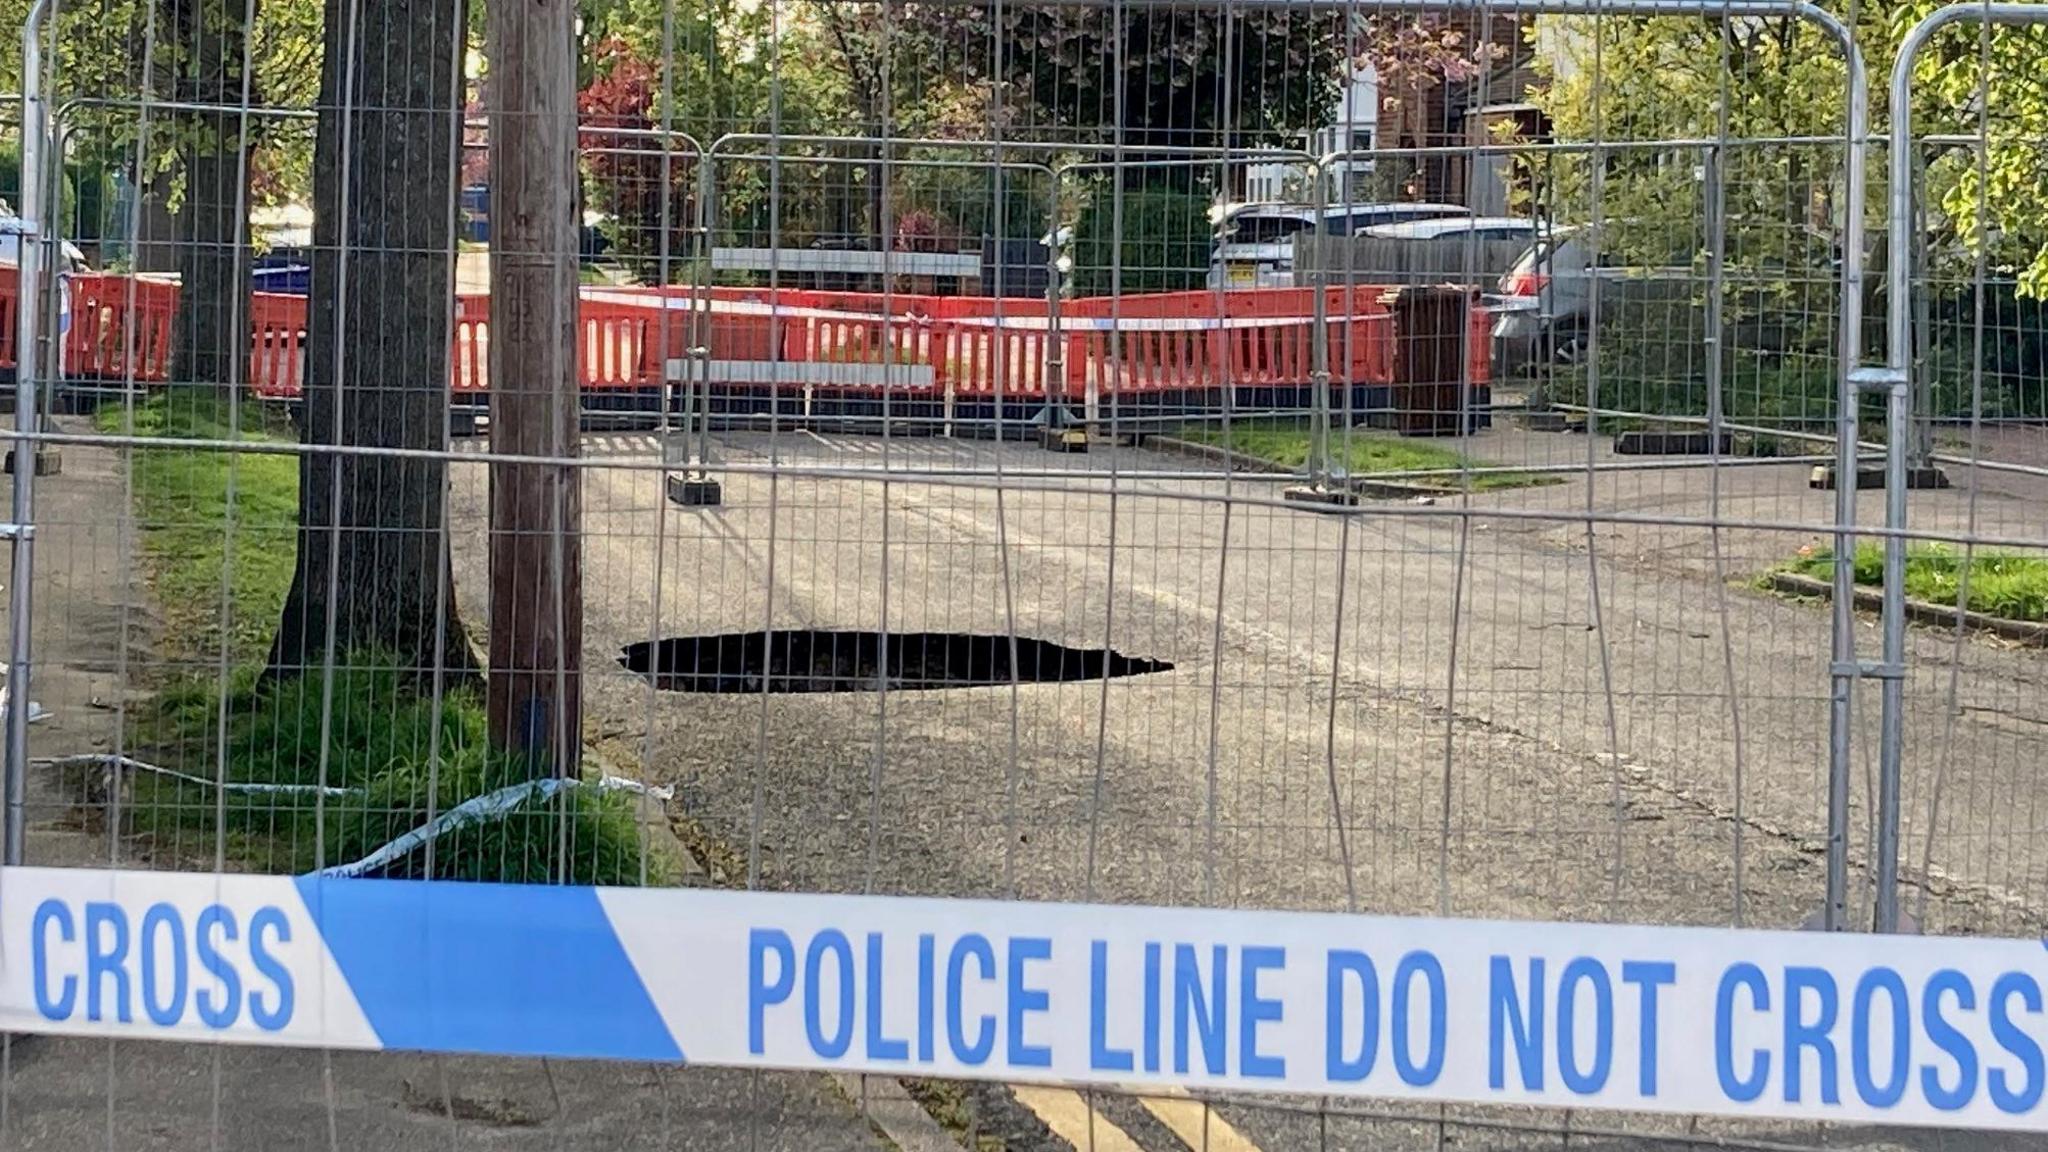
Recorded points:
(2005,341)
(1649,379)
(403,759)
(1991,203)
(1675,78)
(87,197)
(375,728)
(1279,77)
(1166,239)
(2011,585)
(1672,78)
(97,52)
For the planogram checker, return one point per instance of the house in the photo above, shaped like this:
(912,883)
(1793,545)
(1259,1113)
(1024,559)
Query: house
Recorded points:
(1353,129)
(1423,131)
(1457,113)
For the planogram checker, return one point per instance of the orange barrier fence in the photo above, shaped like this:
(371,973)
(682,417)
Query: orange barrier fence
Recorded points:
(966,346)
(277,339)
(120,327)
(10,303)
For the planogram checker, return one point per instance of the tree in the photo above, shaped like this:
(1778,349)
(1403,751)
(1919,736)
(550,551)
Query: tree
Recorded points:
(207,50)
(1665,78)
(372,552)
(1173,78)
(646,183)
(1998,210)
(205,62)
(1780,78)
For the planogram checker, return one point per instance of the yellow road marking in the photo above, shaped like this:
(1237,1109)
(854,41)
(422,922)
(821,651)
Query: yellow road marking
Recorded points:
(1199,1126)
(1071,1119)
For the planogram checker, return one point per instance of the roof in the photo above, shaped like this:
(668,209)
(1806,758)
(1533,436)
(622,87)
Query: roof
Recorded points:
(1307,211)
(1427,229)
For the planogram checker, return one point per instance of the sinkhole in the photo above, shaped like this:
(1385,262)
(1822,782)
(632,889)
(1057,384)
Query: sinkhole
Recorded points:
(818,660)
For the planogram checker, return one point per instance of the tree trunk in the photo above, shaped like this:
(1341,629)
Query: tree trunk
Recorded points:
(156,248)
(210,348)
(372,549)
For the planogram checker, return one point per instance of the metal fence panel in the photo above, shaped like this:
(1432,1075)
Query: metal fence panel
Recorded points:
(977,498)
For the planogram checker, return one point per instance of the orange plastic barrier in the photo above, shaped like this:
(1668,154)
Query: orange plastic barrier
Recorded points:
(1264,338)
(1146,343)
(277,344)
(996,357)
(120,327)
(10,306)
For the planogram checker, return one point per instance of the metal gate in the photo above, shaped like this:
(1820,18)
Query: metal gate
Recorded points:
(1272,697)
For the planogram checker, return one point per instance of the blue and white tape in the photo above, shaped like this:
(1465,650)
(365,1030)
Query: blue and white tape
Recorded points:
(1940,1031)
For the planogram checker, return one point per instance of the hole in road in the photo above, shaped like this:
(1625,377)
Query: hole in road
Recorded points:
(812,660)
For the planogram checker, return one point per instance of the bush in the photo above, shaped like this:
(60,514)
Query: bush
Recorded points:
(1167,239)
(88,195)
(1653,362)
(401,762)
(2014,357)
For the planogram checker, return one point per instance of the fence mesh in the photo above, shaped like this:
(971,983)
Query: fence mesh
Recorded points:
(1231,455)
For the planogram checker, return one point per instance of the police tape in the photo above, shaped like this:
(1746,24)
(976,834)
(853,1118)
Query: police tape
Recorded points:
(110,764)
(494,805)
(1768,1025)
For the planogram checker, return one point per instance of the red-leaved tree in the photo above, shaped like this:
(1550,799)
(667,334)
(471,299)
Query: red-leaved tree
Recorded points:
(645,188)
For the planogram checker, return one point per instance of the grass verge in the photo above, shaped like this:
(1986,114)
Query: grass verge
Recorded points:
(2009,585)
(202,550)
(375,732)
(1286,443)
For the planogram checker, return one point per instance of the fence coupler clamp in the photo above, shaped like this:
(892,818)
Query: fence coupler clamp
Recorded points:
(1876,378)
(1869,670)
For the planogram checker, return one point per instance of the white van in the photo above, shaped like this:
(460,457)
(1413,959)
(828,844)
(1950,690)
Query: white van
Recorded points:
(1257,249)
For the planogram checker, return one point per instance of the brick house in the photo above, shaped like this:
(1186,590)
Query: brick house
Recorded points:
(1459,114)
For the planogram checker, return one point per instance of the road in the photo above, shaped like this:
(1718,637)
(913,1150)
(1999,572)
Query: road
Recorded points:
(1223,781)
(1585,765)
(1411,711)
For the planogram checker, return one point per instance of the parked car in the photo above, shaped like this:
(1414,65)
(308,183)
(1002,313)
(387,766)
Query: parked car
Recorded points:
(1483,229)
(1546,296)
(1257,248)
(1469,249)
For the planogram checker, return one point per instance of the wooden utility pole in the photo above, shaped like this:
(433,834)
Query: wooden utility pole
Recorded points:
(535,690)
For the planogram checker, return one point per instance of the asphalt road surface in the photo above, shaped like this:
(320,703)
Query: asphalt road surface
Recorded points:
(1483,707)
(1431,708)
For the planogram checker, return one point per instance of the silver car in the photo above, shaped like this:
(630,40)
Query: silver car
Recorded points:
(1257,248)
(1545,298)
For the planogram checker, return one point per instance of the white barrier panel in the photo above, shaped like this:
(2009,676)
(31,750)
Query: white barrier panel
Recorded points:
(1946,1032)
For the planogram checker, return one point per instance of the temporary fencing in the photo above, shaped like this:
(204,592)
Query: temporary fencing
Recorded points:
(1177,342)
(995,615)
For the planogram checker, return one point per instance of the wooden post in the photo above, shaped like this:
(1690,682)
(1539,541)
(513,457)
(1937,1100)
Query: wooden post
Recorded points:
(535,695)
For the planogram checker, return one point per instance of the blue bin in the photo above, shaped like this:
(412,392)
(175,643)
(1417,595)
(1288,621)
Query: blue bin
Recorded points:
(293,279)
